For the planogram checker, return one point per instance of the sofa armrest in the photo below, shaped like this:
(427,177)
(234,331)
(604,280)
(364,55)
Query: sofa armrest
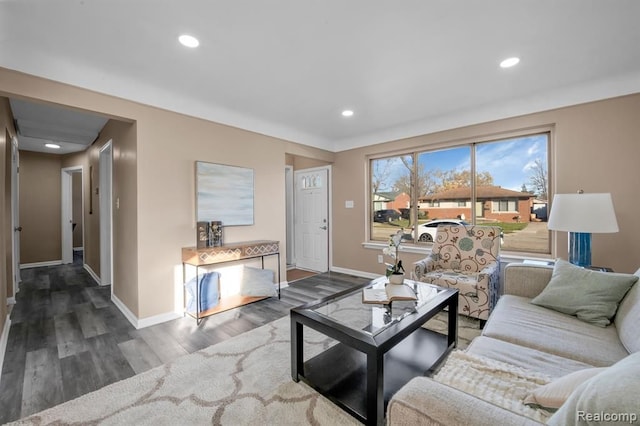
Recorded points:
(423,401)
(526,280)
(423,266)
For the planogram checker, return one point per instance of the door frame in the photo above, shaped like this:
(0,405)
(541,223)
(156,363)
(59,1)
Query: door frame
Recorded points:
(15,215)
(105,197)
(67,210)
(329,216)
(290,215)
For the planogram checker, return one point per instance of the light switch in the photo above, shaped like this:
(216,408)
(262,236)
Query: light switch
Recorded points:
(348,204)
(117,203)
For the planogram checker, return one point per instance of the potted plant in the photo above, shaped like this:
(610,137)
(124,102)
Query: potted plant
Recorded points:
(395,270)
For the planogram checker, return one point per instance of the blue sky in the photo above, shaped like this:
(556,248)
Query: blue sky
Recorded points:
(509,161)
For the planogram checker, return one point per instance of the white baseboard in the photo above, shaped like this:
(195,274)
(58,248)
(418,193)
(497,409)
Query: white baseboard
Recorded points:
(355,273)
(40,264)
(144,322)
(78,249)
(4,338)
(95,276)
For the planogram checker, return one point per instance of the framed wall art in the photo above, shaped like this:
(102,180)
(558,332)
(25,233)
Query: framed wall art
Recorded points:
(224,193)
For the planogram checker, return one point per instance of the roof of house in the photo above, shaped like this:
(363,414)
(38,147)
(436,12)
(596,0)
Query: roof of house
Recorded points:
(483,192)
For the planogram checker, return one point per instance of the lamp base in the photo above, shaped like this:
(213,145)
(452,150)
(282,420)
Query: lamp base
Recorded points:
(580,248)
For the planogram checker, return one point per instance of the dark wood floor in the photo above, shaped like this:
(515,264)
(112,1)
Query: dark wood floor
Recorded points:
(67,338)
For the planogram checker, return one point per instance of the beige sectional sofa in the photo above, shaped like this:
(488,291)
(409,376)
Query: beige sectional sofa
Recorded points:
(525,339)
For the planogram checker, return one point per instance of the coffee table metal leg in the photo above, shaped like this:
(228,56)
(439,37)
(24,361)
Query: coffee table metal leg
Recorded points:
(452,336)
(375,391)
(296,349)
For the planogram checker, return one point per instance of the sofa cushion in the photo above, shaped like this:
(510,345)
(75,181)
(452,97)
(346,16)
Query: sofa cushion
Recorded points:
(518,321)
(614,392)
(552,395)
(628,318)
(532,359)
(592,296)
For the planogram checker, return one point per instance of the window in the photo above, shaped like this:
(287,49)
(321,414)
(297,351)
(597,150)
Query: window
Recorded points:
(498,182)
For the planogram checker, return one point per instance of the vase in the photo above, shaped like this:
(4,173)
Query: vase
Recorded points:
(396,278)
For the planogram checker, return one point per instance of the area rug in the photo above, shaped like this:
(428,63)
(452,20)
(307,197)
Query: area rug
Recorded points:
(245,380)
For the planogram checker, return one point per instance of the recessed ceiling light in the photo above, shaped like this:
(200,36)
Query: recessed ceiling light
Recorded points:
(509,62)
(52,145)
(189,41)
(347,113)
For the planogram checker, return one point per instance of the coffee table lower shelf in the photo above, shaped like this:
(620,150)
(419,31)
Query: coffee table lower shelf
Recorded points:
(340,372)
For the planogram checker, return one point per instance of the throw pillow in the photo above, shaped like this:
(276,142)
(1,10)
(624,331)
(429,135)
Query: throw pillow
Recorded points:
(207,284)
(592,296)
(610,397)
(257,282)
(552,395)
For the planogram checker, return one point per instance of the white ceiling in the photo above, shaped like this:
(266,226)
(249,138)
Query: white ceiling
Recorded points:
(287,68)
(40,124)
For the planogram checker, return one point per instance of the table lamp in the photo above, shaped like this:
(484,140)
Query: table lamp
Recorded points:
(582,214)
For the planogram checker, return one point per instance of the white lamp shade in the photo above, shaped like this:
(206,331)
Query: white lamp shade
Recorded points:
(583,213)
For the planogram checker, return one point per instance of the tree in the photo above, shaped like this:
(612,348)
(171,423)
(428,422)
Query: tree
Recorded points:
(380,173)
(452,179)
(538,179)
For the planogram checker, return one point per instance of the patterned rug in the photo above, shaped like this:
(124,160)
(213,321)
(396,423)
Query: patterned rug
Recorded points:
(245,380)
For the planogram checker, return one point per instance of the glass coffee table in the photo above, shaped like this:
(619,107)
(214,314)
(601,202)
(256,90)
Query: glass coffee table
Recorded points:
(374,349)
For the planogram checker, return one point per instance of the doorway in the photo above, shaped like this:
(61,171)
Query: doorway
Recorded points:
(105,182)
(312,226)
(72,212)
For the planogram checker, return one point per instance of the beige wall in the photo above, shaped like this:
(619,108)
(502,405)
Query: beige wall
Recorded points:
(596,147)
(154,179)
(40,207)
(7,130)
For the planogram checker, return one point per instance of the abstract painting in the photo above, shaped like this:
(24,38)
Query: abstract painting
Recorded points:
(224,193)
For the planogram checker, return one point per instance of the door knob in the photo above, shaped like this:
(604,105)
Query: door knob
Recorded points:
(324,227)
(18,228)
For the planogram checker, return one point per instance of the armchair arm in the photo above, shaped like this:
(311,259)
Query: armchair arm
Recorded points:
(426,402)
(526,280)
(423,266)
(492,269)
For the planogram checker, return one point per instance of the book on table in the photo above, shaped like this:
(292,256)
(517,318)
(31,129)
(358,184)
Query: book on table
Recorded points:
(388,294)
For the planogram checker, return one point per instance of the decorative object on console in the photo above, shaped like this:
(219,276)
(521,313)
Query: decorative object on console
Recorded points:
(581,215)
(202,235)
(224,193)
(395,270)
(215,234)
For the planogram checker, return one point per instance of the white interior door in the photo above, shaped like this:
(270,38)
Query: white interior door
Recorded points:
(67,212)
(312,219)
(106,214)
(15,212)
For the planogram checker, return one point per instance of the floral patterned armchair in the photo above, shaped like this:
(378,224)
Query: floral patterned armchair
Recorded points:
(467,258)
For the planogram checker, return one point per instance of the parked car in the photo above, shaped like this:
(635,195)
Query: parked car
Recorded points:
(427,231)
(386,215)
